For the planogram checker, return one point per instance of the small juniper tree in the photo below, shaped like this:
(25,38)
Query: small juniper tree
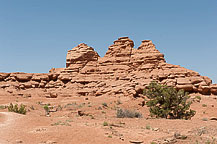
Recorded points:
(167,102)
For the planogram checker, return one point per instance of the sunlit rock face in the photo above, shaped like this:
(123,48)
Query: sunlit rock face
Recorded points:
(123,71)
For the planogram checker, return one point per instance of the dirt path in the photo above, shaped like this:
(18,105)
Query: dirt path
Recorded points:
(8,118)
(7,122)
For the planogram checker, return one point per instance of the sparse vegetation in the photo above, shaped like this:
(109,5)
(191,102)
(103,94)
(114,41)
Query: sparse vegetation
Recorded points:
(105,123)
(61,123)
(3,107)
(213,141)
(73,104)
(128,114)
(91,116)
(17,109)
(81,105)
(167,102)
(204,105)
(197,98)
(204,119)
(39,102)
(47,109)
(105,104)
(59,108)
(148,127)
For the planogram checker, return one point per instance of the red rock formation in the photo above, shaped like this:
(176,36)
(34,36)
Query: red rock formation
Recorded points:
(123,70)
(79,56)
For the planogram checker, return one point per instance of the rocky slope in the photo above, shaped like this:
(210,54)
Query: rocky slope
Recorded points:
(123,71)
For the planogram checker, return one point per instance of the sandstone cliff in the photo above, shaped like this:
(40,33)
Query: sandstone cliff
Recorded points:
(123,70)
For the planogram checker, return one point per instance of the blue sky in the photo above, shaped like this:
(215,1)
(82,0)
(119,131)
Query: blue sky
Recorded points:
(36,34)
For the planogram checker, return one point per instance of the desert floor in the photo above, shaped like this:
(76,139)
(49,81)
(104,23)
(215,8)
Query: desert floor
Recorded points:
(92,120)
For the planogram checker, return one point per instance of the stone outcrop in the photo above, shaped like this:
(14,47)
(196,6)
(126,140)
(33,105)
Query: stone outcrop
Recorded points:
(79,56)
(123,70)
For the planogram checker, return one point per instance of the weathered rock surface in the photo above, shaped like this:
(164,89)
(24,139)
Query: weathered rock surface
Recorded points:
(123,70)
(79,56)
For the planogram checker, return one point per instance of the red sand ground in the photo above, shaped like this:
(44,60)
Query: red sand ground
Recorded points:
(65,126)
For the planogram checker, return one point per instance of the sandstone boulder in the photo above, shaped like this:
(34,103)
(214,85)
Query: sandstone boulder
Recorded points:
(51,95)
(186,87)
(65,77)
(183,81)
(214,89)
(204,90)
(22,77)
(40,77)
(207,80)
(3,76)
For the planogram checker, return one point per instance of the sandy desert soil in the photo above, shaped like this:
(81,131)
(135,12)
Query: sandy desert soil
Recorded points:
(92,120)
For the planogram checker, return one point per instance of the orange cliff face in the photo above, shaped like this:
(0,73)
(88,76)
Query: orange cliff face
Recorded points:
(123,70)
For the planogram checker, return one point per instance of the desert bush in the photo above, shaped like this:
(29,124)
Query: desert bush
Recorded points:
(198,97)
(15,108)
(167,102)
(204,105)
(3,107)
(105,123)
(128,114)
(148,127)
(47,109)
(105,104)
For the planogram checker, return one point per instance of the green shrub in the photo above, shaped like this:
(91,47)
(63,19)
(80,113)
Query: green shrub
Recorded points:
(198,97)
(105,124)
(167,102)
(105,104)
(204,105)
(3,107)
(15,108)
(148,127)
(47,109)
(128,114)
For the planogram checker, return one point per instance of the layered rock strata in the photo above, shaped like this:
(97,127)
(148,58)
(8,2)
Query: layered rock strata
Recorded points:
(123,70)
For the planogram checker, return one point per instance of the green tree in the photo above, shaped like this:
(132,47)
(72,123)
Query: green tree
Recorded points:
(167,102)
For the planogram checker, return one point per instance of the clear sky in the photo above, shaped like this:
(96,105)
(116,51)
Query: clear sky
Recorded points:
(36,34)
